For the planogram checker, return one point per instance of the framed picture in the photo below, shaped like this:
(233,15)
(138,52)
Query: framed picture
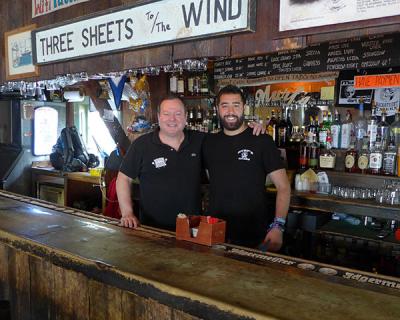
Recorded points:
(19,58)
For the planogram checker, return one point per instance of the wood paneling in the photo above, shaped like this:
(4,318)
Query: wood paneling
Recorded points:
(71,295)
(147,57)
(4,280)
(262,40)
(219,47)
(42,285)
(19,284)
(99,294)
(266,39)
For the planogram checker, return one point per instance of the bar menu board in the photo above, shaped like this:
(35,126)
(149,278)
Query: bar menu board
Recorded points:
(370,52)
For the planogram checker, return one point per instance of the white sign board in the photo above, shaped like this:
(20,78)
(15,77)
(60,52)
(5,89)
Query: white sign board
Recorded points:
(41,7)
(299,14)
(146,25)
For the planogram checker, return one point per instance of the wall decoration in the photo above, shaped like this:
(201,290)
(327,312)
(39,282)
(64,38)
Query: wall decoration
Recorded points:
(299,14)
(19,59)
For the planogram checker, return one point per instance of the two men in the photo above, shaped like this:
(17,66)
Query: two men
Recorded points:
(168,164)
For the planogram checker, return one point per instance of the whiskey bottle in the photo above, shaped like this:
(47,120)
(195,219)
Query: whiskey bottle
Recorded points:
(181,84)
(347,131)
(383,130)
(327,158)
(363,158)
(389,159)
(335,131)
(313,149)
(360,126)
(350,160)
(376,157)
(372,126)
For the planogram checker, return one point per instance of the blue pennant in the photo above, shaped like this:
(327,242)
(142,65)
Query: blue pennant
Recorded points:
(117,89)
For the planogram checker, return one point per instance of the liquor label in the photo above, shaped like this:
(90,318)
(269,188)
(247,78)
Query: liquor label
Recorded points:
(346,133)
(389,163)
(335,130)
(322,137)
(327,162)
(375,160)
(363,162)
(349,161)
(372,130)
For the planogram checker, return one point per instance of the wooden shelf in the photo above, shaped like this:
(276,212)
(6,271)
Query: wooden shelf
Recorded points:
(357,207)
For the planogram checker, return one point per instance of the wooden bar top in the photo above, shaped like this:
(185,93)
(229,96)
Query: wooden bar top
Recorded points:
(210,283)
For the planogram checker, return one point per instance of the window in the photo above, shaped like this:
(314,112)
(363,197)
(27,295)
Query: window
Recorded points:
(45,130)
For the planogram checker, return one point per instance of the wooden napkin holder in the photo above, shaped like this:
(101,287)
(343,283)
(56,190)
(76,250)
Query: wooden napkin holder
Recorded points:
(207,233)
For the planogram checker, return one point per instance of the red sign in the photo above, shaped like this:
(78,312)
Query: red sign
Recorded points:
(377,81)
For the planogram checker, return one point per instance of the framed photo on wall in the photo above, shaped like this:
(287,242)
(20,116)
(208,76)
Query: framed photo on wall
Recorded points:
(19,58)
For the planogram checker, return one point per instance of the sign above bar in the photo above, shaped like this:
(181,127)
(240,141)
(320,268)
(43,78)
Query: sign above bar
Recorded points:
(151,24)
(377,81)
(41,7)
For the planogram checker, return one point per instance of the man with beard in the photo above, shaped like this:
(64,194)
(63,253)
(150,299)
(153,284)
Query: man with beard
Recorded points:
(238,164)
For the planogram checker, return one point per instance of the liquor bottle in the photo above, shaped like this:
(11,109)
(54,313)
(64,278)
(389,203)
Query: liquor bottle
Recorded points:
(191,120)
(347,131)
(336,131)
(281,133)
(327,158)
(360,126)
(389,159)
(325,128)
(196,85)
(289,128)
(204,84)
(199,116)
(190,85)
(278,120)
(173,84)
(271,127)
(215,120)
(363,158)
(395,128)
(376,157)
(312,126)
(372,125)
(181,84)
(313,149)
(350,160)
(383,130)
(303,157)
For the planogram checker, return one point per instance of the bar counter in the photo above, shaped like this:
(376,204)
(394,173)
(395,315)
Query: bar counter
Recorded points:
(57,262)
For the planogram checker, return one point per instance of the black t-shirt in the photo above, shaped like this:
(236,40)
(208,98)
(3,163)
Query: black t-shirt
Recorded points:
(169,179)
(238,166)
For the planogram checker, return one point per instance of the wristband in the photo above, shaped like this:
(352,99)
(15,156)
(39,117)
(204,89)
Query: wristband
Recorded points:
(278,223)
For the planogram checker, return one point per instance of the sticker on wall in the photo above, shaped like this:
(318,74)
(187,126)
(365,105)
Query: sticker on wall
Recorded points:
(388,99)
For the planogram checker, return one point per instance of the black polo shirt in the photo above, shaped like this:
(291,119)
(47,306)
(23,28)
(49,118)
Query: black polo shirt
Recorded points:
(169,179)
(238,166)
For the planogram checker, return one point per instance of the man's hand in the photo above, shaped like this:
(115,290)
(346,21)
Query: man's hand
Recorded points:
(274,238)
(130,221)
(257,128)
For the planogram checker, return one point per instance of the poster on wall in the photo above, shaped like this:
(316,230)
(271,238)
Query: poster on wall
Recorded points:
(349,95)
(299,14)
(387,99)
(18,53)
(42,7)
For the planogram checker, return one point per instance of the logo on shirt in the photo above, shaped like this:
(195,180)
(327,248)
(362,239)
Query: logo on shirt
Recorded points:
(160,162)
(193,155)
(245,154)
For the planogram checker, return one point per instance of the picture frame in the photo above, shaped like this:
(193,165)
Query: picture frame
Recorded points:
(19,54)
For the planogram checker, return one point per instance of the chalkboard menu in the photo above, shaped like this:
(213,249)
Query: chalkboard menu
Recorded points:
(361,53)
